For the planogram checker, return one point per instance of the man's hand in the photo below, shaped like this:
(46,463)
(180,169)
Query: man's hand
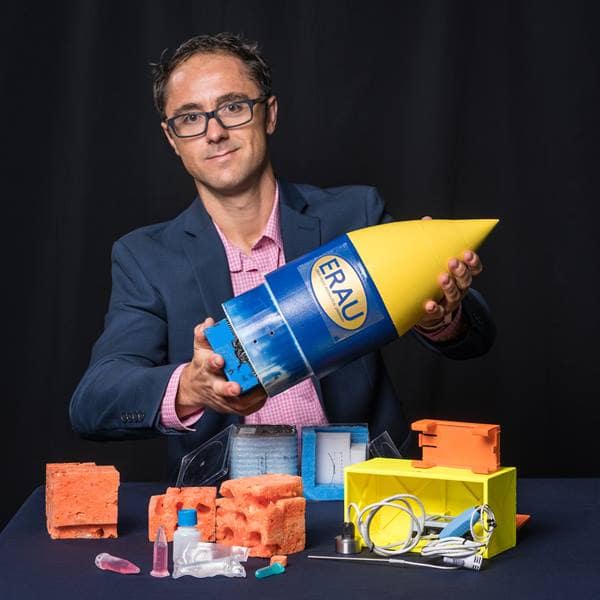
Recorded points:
(455,284)
(203,385)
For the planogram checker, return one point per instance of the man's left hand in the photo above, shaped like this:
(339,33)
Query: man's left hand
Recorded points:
(455,284)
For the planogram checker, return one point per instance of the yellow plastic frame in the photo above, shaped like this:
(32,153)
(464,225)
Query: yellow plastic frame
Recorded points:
(443,490)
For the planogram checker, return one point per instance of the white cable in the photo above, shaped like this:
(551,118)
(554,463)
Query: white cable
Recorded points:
(460,547)
(420,564)
(457,547)
(400,502)
(451,547)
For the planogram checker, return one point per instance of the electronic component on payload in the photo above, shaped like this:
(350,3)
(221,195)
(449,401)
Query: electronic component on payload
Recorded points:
(346,298)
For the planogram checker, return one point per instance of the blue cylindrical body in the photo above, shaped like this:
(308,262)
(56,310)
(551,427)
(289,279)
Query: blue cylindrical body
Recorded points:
(310,317)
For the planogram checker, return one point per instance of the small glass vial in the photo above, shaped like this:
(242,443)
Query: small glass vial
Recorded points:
(186,531)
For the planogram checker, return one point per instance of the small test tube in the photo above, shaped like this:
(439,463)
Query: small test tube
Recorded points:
(161,555)
(107,562)
(274,569)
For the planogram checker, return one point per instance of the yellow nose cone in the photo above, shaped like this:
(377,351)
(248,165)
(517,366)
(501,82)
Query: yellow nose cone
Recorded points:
(405,258)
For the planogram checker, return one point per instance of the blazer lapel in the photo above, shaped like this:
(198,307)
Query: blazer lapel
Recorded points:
(207,257)
(300,232)
(202,244)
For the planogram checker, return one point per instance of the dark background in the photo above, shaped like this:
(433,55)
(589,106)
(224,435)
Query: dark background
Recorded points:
(453,109)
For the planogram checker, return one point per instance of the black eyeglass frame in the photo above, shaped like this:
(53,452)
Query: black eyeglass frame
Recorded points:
(213,115)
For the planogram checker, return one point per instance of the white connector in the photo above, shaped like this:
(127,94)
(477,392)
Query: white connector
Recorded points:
(470,562)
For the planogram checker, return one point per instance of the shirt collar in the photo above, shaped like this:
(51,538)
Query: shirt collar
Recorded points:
(271,231)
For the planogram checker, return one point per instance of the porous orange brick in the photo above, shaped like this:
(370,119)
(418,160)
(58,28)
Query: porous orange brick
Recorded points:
(249,524)
(81,500)
(279,558)
(262,488)
(162,510)
(265,513)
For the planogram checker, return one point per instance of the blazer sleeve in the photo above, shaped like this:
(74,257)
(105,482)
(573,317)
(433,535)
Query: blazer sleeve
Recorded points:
(120,394)
(480,329)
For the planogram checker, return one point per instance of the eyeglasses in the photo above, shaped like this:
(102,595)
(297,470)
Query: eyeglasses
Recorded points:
(229,115)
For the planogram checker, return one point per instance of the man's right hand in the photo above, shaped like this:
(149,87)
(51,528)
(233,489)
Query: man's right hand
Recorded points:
(203,385)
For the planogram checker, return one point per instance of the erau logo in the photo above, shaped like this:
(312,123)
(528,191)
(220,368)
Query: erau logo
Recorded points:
(339,291)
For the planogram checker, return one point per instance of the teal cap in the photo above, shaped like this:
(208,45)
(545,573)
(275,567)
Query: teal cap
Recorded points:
(186,517)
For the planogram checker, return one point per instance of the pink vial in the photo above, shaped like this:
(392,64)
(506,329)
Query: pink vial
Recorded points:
(106,562)
(161,555)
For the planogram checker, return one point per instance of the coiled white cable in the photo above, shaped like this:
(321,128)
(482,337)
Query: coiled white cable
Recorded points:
(459,547)
(400,502)
(456,547)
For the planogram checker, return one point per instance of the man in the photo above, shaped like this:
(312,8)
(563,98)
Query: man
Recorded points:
(152,370)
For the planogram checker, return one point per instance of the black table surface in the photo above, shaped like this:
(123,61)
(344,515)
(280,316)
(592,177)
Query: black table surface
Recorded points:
(557,556)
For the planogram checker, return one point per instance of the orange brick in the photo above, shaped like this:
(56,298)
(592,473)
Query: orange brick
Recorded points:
(279,558)
(162,510)
(262,488)
(81,500)
(68,532)
(268,524)
(294,531)
(249,525)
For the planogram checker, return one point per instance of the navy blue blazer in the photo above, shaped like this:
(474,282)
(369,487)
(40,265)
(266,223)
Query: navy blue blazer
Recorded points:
(169,277)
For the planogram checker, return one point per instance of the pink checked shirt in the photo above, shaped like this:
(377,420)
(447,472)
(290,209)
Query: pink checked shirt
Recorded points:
(300,405)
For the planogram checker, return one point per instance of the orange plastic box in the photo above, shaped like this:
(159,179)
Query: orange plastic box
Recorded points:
(474,446)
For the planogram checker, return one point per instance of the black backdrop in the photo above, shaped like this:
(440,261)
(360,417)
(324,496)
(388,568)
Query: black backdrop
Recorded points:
(453,109)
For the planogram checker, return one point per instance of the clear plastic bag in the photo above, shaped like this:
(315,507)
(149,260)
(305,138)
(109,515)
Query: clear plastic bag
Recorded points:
(203,551)
(209,568)
(204,559)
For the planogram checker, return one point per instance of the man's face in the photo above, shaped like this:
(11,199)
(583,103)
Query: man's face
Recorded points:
(226,161)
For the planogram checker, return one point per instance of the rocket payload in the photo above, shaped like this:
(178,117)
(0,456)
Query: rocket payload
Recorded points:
(344,299)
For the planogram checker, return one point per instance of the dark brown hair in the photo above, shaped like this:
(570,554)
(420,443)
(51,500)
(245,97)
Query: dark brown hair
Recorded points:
(227,43)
